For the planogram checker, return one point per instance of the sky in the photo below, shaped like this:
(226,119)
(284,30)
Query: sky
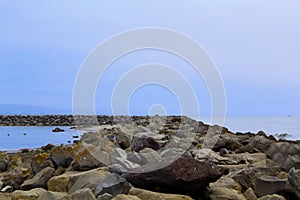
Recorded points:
(255,46)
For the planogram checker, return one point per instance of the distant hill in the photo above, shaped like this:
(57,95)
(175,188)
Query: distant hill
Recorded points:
(20,109)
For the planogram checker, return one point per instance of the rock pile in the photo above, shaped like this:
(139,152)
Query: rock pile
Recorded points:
(156,158)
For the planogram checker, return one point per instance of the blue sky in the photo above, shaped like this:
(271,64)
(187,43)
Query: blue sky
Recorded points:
(255,45)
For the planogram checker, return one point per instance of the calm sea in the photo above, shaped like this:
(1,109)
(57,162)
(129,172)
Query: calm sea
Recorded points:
(270,125)
(18,137)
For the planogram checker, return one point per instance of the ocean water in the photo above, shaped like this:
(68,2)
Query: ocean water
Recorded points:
(270,125)
(39,136)
(19,137)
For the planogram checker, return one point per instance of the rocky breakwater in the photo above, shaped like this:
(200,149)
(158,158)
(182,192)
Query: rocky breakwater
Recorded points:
(157,158)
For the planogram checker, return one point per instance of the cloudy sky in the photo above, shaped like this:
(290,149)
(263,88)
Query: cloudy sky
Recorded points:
(255,46)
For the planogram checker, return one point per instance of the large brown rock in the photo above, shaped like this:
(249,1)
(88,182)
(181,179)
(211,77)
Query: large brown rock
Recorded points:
(72,181)
(39,180)
(40,162)
(222,193)
(90,157)
(37,194)
(149,195)
(183,176)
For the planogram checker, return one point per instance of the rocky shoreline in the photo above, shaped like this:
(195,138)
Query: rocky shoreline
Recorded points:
(68,120)
(141,158)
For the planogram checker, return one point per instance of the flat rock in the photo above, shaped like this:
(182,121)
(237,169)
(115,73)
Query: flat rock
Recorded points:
(183,176)
(37,194)
(268,185)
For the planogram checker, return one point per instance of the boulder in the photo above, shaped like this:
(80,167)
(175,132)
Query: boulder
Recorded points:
(72,181)
(125,197)
(149,195)
(89,179)
(209,156)
(226,182)
(139,143)
(272,197)
(60,183)
(267,185)
(39,180)
(32,194)
(172,152)
(183,176)
(249,194)
(122,139)
(37,194)
(60,157)
(41,161)
(105,197)
(285,154)
(90,157)
(149,155)
(113,184)
(56,130)
(3,162)
(219,193)
(294,179)
(82,194)
(1,185)
(5,196)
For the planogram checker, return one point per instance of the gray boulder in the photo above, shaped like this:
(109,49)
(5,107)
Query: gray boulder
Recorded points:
(294,179)
(113,184)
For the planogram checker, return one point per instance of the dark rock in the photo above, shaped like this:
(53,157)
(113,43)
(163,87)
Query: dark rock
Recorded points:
(39,180)
(181,176)
(60,157)
(3,162)
(123,140)
(139,143)
(48,147)
(56,130)
(112,184)
(224,151)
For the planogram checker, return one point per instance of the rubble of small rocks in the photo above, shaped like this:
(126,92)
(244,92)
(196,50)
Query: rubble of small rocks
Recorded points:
(155,158)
